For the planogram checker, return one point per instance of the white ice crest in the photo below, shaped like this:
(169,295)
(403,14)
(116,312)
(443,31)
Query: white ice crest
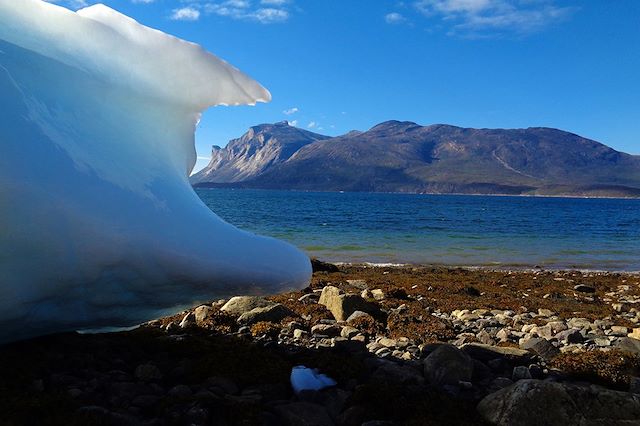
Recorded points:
(98,223)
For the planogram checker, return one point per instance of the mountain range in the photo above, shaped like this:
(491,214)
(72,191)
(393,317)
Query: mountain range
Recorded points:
(402,156)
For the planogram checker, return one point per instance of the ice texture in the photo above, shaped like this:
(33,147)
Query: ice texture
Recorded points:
(99,226)
(307,379)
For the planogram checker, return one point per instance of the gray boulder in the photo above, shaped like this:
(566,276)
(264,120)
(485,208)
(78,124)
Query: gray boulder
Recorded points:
(448,365)
(546,403)
(343,305)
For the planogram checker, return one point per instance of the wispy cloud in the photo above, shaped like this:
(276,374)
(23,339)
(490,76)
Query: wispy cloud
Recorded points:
(394,18)
(274,2)
(491,17)
(265,12)
(293,123)
(143,1)
(312,124)
(74,4)
(185,14)
(290,111)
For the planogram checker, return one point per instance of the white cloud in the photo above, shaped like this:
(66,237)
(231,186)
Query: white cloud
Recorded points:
(74,4)
(312,124)
(269,15)
(290,111)
(185,14)
(274,2)
(394,18)
(293,123)
(143,1)
(490,17)
(244,10)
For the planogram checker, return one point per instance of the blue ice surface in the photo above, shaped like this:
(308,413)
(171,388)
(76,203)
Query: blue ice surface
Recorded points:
(304,379)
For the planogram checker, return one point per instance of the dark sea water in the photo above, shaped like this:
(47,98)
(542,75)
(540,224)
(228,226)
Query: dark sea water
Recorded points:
(600,234)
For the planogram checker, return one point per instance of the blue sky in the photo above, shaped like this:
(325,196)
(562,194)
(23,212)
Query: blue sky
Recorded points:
(337,65)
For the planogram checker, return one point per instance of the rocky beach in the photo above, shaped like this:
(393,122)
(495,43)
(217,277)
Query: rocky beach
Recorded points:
(405,345)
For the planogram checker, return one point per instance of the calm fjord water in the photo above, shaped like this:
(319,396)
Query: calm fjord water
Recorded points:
(602,234)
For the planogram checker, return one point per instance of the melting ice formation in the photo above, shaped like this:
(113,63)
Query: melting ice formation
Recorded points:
(98,223)
(304,378)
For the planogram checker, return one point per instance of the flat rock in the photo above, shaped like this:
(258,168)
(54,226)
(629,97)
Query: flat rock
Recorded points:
(486,353)
(271,313)
(239,305)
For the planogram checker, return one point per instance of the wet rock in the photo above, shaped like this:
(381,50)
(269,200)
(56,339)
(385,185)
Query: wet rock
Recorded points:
(270,313)
(448,365)
(239,305)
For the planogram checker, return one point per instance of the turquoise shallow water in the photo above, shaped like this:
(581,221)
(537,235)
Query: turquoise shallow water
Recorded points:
(602,234)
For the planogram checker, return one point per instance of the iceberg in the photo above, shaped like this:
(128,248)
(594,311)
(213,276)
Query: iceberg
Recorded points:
(99,226)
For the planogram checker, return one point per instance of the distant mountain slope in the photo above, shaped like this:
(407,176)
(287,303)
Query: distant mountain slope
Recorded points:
(261,148)
(399,156)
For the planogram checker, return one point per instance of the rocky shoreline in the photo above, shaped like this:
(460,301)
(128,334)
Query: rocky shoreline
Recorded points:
(405,345)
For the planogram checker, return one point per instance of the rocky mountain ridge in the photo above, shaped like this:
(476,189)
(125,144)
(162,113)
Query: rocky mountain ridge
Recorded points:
(402,156)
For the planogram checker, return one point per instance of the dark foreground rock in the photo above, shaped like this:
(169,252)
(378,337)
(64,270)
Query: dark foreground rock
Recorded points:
(547,403)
